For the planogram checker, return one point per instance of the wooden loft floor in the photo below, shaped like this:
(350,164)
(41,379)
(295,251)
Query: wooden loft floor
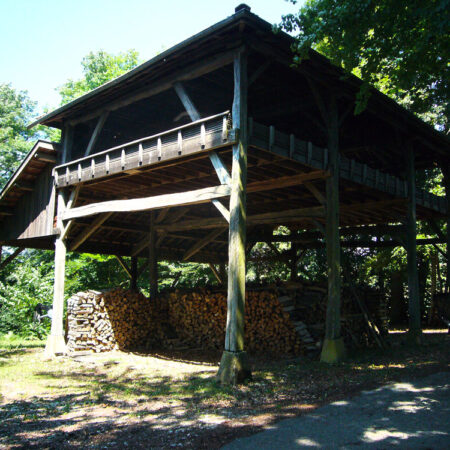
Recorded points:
(285,186)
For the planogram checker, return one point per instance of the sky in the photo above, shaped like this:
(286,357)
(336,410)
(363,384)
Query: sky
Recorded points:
(42,42)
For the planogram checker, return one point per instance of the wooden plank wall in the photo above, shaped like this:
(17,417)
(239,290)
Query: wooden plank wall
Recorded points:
(34,213)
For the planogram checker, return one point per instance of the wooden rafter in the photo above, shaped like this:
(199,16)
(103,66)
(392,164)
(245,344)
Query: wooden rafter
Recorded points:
(11,257)
(96,133)
(85,234)
(202,243)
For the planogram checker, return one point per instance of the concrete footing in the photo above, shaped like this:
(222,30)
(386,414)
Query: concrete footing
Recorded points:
(333,351)
(234,368)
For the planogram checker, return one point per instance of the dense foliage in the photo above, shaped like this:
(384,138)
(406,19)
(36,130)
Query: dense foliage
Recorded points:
(400,47)
(98,68)
(16,110)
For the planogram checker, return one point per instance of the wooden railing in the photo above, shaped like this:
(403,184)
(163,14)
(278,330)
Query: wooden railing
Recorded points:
(202,135)
(268,138)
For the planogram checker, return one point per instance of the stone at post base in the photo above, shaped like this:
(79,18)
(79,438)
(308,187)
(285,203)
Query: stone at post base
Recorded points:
(55,346)
(234,368)
(333,351)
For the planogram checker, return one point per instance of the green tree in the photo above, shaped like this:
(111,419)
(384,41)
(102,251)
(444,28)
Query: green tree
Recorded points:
(16,111)
(401,47)
(98,68)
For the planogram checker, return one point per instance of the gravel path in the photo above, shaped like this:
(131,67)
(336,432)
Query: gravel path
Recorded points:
(401,415)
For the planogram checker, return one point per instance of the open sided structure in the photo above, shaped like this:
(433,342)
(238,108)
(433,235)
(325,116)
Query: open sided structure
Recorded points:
(204,150)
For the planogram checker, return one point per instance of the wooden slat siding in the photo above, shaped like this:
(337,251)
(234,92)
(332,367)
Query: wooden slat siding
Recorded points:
(34,213)
(146,151)
(350,170)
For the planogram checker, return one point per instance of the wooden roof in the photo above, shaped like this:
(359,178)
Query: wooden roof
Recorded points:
(40,156)
(383,118)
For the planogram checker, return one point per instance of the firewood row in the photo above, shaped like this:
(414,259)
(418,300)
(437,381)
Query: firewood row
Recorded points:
(286,319)
(200,319)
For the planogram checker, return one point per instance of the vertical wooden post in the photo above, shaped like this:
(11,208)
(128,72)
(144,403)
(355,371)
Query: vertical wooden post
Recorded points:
(134,273)
(333,349)
(67,143)
(153,259)
(411,250)
(446,174)
(234,366)
(56,342)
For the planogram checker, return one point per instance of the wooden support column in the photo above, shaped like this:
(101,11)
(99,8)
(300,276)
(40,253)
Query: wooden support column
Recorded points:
(56,344)
(411,251)
(446,174)
(134,273)
(333,349)
(153,259)
(234,365)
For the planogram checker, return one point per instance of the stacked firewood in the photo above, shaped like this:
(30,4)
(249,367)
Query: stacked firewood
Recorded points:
(105,321)
(200,319)
(288,319)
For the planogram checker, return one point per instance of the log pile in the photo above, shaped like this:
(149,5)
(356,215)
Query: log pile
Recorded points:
(105,321)
(287,319)
(124,319)
(200,317)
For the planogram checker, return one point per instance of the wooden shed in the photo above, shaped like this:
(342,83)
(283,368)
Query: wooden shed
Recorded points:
(204,150)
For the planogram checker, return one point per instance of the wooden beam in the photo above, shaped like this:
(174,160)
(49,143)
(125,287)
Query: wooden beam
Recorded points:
(277,217)
(162,215)
(215,273)
(194,115)
(124,266)
(319,196)
(333,346)
(153,259)
(55,342)
(220,168)
(45,157)
(96,133)
(286,181)
(411,250)
(221,208)
(149,203)
(11,257)
(190,72)
(202,243)
(6,211)
(187,102)
(85,234)
(234,367)
(67,144)
(258,72)
(25,185)
(72,200)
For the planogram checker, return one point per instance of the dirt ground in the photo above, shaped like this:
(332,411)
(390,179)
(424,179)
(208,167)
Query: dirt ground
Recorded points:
(165,400)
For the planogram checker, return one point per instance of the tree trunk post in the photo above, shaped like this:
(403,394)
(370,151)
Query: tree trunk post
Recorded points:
(153,259)
(234,365)
(446,174)
(333,349)
(134,273)
(56,344)
(411,251)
